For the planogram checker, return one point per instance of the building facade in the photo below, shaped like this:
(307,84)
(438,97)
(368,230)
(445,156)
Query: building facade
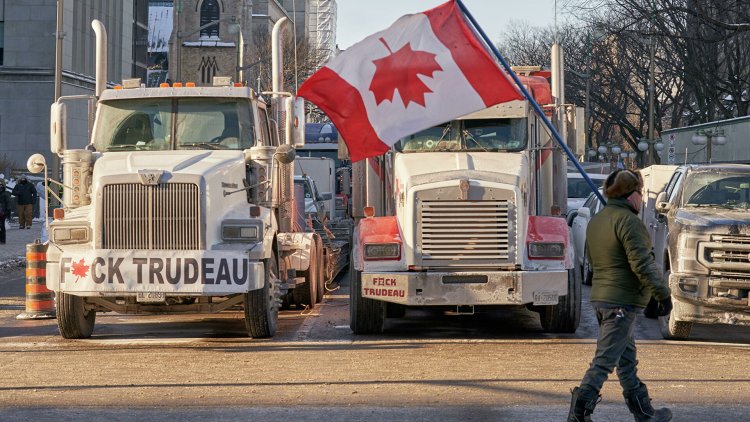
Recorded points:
(27,64)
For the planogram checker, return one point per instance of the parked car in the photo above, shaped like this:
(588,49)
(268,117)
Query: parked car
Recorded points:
(580,222)
(579,191)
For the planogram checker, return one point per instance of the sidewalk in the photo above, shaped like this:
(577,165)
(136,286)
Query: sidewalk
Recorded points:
(13,252)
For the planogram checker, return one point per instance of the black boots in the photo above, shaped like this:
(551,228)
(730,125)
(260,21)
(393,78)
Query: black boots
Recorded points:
(639,404)
(582,405)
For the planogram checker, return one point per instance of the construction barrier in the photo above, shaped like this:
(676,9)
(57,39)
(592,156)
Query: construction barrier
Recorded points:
(40,303)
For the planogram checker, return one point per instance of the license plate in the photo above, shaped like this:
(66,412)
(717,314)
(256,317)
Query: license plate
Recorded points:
(151,297)
(545,298)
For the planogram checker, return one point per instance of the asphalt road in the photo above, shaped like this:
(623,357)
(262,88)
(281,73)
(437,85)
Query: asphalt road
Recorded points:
(427,367)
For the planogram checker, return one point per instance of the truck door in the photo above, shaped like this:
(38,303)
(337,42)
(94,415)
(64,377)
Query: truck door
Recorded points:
(658,229)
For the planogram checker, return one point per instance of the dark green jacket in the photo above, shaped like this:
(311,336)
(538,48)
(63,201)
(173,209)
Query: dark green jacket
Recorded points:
(621,257)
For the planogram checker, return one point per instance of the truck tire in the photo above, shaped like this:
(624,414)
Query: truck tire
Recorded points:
(366,316)
(306,294)
(670,328)
(320,272)
(566,315)
(262,305)
(394,310)
(73,321)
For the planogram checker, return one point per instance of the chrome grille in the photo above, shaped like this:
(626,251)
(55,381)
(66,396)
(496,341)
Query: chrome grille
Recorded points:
(470,232)
(137,216)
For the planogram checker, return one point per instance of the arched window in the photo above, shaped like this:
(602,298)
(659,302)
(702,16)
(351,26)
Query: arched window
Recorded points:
(210,13)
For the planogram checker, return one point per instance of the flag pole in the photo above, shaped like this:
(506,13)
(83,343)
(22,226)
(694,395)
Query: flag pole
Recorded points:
(531,100)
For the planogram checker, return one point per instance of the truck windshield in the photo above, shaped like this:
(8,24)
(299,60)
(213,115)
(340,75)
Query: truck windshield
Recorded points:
(712,189)
(489,135)
(165,124)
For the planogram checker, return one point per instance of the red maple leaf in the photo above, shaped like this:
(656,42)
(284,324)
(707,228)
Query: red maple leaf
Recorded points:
(79,269)
(399,70)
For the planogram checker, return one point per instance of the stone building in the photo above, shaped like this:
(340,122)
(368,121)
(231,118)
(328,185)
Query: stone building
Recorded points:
(197,55)
(27,62)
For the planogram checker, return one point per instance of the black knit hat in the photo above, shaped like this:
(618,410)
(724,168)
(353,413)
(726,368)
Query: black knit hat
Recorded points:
(622,183)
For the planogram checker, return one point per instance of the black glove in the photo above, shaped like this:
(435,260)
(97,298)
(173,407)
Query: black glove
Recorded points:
(665,306)
(651,310)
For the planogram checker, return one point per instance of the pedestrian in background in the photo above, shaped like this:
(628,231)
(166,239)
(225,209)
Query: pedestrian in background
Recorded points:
(25,194)
(625,278)
(5,201)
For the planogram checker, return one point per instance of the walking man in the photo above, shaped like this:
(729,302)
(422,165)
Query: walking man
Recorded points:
(625,278)
(5,201)
(25,194)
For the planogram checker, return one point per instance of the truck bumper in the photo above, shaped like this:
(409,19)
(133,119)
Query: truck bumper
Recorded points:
(696,300)
(120,273)
(463,288)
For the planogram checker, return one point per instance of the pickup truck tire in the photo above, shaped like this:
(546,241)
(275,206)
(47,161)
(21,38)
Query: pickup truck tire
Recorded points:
(73,321)
(586,271)
(566,315)
(262,305)
(366,316)
(669,327)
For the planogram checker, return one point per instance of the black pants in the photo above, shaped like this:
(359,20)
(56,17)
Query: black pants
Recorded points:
(2,229)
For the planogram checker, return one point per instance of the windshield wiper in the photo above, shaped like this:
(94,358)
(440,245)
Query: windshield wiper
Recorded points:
(124,147)
(201,144)
(467,135)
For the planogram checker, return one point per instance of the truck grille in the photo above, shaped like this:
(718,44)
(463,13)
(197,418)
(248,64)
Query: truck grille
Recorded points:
(726,255)
(466,232)
(137,216)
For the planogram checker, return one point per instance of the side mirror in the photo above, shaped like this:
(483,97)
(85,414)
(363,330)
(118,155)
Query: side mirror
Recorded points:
(662,206)
(57,130)
(326,196)
(36,163)
(584,212)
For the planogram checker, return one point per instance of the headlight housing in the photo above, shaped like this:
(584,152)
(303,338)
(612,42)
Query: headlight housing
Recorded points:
(382,251)
(546,250)
(244,231)
(70,234)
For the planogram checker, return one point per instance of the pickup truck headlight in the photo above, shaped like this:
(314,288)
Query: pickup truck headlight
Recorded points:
(242,230)
(382,251)
(546,250)
(69,235)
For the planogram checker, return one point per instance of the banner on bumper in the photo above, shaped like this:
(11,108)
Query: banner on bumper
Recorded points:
(160,271)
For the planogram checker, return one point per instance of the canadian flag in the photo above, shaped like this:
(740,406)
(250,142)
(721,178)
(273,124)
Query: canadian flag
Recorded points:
(426,69)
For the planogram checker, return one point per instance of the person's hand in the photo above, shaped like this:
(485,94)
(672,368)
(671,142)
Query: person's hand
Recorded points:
(651,310)
(665,306)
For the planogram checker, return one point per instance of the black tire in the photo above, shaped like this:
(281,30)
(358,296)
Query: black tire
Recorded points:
(366,316)
(566,315)
(670,328)
(320,270)
(73,321)
(306,294)
(262,305)
(586,272)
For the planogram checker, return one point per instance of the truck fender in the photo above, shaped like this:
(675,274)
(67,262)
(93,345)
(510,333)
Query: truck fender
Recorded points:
(549,229)
(375,230)
(297,247)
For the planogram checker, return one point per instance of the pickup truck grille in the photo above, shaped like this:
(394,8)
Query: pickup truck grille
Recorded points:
(726,255)
(137,216)
(466,232)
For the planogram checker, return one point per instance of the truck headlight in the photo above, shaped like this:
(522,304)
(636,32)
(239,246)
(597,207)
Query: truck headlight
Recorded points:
(546,250)
(68,235)
(242,230)
(382,251)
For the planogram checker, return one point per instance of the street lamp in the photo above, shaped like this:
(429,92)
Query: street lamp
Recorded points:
(716,136)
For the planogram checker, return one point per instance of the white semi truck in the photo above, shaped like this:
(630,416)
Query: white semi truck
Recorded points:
(467,216)
(182,202)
